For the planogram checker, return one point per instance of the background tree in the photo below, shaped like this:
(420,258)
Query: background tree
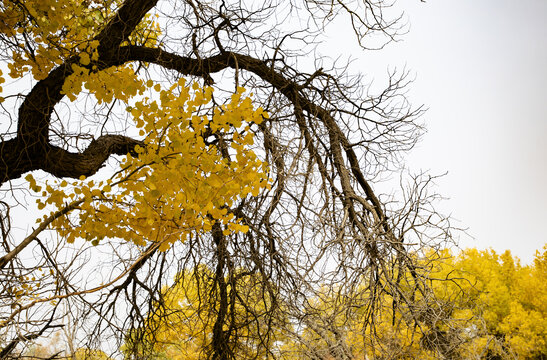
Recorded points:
(183,324)
(507,301)
(106,80)
(481,308)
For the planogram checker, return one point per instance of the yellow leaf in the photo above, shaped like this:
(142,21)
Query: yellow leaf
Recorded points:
(84,59)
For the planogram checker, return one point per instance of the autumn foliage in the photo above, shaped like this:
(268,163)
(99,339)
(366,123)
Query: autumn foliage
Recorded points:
(176,183)
(184,138)
(487,306)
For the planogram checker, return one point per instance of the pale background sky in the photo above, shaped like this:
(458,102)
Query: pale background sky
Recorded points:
(481,70)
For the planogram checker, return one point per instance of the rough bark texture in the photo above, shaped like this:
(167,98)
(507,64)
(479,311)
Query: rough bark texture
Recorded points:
(31,148)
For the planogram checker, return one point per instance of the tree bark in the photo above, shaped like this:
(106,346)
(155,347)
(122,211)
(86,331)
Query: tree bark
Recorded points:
(31,149)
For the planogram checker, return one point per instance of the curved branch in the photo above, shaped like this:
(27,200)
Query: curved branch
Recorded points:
(18,158)
(31,149)
(62,163)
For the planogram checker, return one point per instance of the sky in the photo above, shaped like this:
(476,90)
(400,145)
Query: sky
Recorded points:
(480,68)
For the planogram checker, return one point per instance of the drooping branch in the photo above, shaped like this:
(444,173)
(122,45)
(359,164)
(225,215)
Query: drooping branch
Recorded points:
(320,206)
(289,88)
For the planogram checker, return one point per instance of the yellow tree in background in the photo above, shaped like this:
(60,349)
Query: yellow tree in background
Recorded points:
(485,306)
(181,326)
(510,302)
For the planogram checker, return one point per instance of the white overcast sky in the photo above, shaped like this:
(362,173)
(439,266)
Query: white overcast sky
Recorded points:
(481,70)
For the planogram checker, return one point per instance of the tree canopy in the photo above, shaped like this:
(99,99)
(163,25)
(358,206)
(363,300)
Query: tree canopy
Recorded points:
(157,137)
(484,305)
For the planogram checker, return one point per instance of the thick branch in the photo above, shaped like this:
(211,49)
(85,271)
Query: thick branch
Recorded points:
(122,25)
(62,163)
(31,149)
(18,158)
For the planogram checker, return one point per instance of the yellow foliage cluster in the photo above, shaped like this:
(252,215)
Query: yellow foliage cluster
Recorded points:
(89,354)
(510,299)
(183,323)
(46,33)
(179,182)
(119,82)
(482,305)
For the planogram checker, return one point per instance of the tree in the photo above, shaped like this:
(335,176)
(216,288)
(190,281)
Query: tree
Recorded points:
(184,324)
(507,301)
(279,183)
(482,308)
